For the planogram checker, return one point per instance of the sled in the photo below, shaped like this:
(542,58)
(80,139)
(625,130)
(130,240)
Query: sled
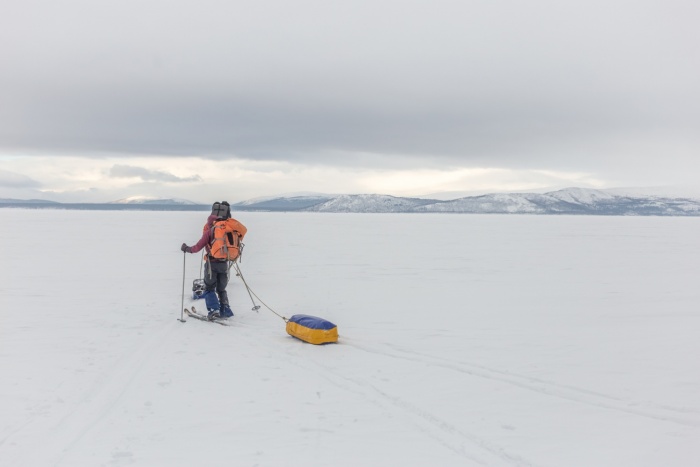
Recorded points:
(312,329)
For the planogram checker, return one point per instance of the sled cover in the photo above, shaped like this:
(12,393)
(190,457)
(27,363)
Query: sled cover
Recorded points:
(312,329)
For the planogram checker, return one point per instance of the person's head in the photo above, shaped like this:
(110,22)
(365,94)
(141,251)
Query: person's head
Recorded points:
(221,210)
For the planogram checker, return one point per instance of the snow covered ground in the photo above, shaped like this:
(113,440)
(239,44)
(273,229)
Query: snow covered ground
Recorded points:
(465,340)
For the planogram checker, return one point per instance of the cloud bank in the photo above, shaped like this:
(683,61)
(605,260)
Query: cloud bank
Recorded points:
(606,87)
(15,180)
(128,171)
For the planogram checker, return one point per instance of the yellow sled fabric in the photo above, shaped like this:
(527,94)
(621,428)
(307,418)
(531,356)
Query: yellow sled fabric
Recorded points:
(312,329)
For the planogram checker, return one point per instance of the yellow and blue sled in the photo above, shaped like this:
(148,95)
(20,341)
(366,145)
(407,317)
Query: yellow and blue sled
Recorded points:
(312,329)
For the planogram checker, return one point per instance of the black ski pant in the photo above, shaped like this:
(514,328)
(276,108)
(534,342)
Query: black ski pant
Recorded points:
(216,278)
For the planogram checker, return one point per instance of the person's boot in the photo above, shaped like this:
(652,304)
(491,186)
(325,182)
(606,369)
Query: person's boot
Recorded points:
(225,311)
(213,314)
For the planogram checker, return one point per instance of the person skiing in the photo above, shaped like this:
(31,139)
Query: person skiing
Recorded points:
(221,237)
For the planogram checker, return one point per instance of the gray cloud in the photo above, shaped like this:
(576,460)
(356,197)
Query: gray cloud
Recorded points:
(538,84)
(14,180)
(128,171)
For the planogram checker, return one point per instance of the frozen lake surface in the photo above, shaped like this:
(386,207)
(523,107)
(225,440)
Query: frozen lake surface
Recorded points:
(464,340)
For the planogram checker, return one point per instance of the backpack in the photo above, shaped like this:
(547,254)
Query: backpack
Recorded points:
(226,239)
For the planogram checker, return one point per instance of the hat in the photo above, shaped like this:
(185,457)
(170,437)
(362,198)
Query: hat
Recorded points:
(221,210)
(224,204)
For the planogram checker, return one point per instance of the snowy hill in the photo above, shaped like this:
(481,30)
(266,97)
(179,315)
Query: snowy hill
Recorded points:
(569,201)
(496,203)
(369,203)
(615,202)
(134,203)
(581,196)
(25,201)
(151,200)
(282,203)
(566,201)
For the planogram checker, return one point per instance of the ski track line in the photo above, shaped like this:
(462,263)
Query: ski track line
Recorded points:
(97,402)
(548,388)
(435,427)
(15,431)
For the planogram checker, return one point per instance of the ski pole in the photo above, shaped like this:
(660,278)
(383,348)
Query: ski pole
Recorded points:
(201,265)
(182,305)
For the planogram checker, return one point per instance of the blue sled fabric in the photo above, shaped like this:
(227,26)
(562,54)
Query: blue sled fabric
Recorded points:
(312,322)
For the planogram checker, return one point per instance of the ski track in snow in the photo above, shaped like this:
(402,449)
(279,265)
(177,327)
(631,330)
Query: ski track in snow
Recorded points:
(466,445)
(541,386)
(95,404)
(426,422)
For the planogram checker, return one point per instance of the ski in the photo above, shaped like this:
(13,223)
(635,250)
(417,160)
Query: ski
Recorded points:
(217,317)
(196,315)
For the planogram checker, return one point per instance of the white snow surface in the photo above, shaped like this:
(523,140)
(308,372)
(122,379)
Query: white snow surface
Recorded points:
(464,340)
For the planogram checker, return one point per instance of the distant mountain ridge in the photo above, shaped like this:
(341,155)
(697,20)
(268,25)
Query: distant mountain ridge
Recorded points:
(566,201)
(25,201)
(149,200)
(578,201)
(127,204)
(283,203)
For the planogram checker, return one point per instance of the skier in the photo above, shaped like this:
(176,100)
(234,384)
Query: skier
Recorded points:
(216,268)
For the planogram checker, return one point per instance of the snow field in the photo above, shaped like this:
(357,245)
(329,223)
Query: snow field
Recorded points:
(464,340)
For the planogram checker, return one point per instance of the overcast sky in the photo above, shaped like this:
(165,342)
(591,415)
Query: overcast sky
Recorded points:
(236,99)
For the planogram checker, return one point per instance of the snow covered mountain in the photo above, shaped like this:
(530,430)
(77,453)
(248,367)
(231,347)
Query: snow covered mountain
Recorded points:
(282,203)
(614,202)
(566,201)
(25,201)
(370,203)
(149,200)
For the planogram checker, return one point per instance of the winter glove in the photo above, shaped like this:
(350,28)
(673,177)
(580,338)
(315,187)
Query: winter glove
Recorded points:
(186,248)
